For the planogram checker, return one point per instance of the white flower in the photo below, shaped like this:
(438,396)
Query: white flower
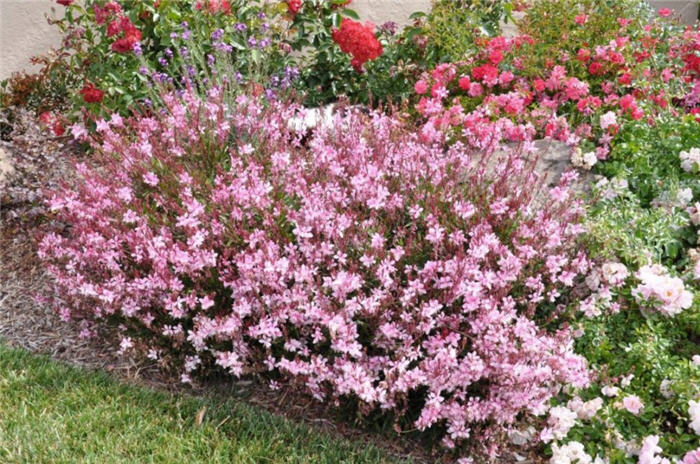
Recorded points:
(694,213)
(561,420)
(610,391)
(690,160)
(589,159)
(665,389)
(694,413)
(684,196)
(626,380)
(614,273)
(649,451)
(570,453)
(585,410)
(696,359)
(667,293)
(584,160)
(607,120)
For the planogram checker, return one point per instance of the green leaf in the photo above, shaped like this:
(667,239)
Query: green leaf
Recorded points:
(351,14)
(238,43)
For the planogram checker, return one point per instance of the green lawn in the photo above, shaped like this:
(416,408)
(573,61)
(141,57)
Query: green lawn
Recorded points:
(53,413)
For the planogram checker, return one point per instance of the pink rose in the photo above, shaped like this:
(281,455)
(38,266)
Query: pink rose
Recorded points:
(633,404)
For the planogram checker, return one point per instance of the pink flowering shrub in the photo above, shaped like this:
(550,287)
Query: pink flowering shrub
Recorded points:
(367,262)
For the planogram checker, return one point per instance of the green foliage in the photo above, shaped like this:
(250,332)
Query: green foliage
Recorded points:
(121,75)
(622,228)
(552,25)
(453,26)
(648,156)
(44,90)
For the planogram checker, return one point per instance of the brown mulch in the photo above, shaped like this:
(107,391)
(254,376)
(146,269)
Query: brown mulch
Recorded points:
(40,162)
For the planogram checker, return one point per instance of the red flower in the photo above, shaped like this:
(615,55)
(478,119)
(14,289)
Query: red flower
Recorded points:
(696,112)
(464,83)
(294,6)
(584,55)
(215,6)
(495,57)
(596,68)
(113,28)
(664,12)
(130,38)
(103,13)
(92,94)
(538,84)
(421,87)
(64,2)
(486,72)
(625,79)
(359,41)
(51,122)
(627,102)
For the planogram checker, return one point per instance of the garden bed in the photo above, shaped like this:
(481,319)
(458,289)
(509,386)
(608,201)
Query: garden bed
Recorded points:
(490,248)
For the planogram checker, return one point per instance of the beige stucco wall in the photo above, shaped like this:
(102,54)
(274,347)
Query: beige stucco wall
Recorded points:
(24,31)
(380,11)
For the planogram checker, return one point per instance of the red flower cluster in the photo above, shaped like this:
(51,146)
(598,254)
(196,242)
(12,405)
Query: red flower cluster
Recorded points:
(131,35)
(92,94)
(52,123)
(215,6)
(119,25)
(103,13)
(64,3)
(294,6)
(358,40)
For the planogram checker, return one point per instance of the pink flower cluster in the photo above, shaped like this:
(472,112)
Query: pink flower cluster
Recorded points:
(660,289)
(366,262)
(621,79)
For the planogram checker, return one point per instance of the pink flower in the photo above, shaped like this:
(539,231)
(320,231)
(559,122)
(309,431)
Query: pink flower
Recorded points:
(581,19)
(608,120)
(692,457)
(78,131)
(396,272)
(421,87)
(665,12)
(627,102)
(150,178)
(633,404)
(664,292)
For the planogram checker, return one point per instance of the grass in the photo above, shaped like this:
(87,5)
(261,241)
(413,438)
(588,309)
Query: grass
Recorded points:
(53,413)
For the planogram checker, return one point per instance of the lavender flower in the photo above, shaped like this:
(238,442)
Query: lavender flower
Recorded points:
(217,35)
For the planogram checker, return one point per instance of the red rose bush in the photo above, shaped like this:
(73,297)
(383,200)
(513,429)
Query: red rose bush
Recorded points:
(367,262)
